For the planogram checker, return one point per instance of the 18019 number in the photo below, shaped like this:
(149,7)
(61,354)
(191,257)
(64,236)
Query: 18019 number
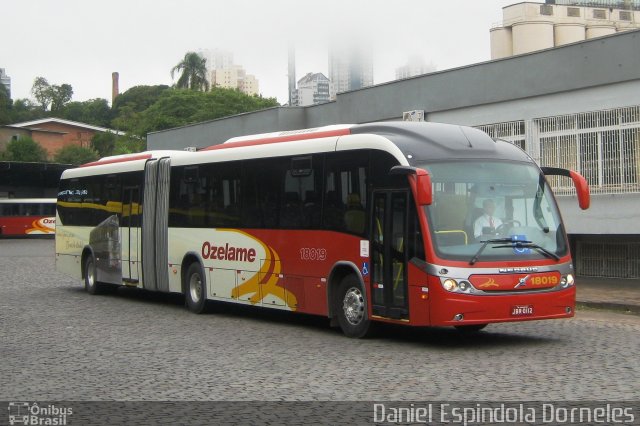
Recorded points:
(307,253)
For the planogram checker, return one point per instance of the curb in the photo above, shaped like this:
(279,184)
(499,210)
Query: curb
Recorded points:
(610,306)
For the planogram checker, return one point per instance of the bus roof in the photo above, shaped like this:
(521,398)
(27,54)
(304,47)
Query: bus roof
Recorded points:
(412,143)
(26,200)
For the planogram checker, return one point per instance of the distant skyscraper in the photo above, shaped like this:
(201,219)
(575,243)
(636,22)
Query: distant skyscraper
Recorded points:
(292,74)
(217,58)
(5,80)
(350,67)
(415,66)
(313,89)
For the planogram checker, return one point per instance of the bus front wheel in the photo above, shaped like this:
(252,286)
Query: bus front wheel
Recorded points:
(195,291)
(351,307)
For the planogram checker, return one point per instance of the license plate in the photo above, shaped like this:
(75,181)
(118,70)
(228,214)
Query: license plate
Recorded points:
(521,310)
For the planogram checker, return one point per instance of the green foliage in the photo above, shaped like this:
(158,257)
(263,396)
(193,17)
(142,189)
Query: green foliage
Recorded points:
(138,98)
(24,149)
(104,143)
(180,107)
(75,154)
(25,110)
(51,94)
(129,144)
(194,72)
(5,106)
(94,111)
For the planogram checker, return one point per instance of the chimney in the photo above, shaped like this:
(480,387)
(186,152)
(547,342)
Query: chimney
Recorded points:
(115,89)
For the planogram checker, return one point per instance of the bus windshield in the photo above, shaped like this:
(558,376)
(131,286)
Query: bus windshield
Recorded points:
(476,201)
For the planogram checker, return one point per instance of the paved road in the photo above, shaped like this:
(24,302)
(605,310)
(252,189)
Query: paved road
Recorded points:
(59,343)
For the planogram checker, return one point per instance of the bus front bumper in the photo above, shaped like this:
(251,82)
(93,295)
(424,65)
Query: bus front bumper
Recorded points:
(452,309)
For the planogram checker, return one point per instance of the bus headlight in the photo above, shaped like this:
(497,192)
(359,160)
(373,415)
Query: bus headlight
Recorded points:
(450,285)
(567,281)
(570,280)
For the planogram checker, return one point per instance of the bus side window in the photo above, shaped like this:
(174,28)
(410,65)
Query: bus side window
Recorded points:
(345,196)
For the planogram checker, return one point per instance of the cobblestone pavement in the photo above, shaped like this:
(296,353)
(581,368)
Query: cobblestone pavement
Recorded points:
(59,343)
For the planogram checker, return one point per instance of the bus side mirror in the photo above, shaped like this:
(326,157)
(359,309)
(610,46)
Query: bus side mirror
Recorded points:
(424,193)
(423,188)
(582,187)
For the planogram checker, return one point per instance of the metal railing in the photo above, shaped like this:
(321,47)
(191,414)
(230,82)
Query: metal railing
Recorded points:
(604,146)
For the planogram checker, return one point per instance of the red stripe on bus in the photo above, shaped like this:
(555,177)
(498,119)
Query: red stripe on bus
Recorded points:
(118,160)
(285,138)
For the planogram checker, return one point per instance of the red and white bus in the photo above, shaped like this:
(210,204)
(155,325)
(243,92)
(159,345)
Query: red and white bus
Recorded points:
(359,223)
(21,217)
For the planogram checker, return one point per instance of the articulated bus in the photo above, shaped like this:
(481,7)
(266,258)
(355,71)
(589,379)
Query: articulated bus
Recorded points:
(421,224)
(23,217)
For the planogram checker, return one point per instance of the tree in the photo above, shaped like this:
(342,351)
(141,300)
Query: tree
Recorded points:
(5,106)
(194,72)
(104,143)
(180,107)
(138,98)
(60,95)
(75,154)
(41,91)
(24,149)
(51,95)
(93,111)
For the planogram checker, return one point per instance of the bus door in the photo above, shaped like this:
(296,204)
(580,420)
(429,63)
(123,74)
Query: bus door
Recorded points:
(389,254)
(130,229)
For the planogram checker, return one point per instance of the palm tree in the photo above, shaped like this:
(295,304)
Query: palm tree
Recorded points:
(194,72)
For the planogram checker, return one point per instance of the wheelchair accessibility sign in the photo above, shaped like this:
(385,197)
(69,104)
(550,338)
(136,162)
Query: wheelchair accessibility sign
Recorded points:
(520,250)
(365,269)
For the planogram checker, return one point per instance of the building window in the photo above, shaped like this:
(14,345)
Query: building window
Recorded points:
(546,9)
(573,12)
(625,15)
(599,14)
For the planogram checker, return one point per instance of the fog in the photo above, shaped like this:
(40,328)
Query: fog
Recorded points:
(82,42)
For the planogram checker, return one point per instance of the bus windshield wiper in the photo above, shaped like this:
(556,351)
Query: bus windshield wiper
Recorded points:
(474,259)
(529,244)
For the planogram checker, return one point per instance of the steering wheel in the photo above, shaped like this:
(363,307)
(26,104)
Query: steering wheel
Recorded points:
(503,227)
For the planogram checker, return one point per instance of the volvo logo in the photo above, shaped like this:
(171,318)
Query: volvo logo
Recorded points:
(522,281)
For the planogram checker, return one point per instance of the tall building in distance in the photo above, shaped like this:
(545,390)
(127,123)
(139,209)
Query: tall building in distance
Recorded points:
(415,66)
(350,67)
(224,73)
(313,88)
(5,80)
(528,26)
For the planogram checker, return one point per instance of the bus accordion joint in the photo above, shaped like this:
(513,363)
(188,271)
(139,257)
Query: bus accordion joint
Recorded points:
(581,184)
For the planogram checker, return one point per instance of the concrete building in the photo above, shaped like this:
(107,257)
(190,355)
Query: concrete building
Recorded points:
(5,80)
(235,77)
(530,26)
(224,73)
(577,105)
(415,66)
(313,88)
(350,67)
(52,133)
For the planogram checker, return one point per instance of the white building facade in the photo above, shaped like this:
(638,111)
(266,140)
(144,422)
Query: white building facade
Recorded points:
(529,26)
(313,89)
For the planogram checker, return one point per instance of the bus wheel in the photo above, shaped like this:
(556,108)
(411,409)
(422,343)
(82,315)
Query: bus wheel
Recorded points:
(351,307)
(474,328)
(195,289)
(91,283)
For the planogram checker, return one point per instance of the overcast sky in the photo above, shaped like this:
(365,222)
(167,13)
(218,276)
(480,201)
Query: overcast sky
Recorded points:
(82,42)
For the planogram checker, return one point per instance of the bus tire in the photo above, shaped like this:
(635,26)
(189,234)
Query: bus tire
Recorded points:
(91,283)
(195,289)
(351,308)
(470,329)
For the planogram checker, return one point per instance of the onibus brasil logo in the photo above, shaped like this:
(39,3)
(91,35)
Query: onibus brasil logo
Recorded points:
(23,413)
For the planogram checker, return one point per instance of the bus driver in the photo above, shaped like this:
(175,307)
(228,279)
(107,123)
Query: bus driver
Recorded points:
(487,223)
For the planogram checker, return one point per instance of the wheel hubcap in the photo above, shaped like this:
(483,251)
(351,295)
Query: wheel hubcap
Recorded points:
(353,306)
(195,287)
(90,277)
